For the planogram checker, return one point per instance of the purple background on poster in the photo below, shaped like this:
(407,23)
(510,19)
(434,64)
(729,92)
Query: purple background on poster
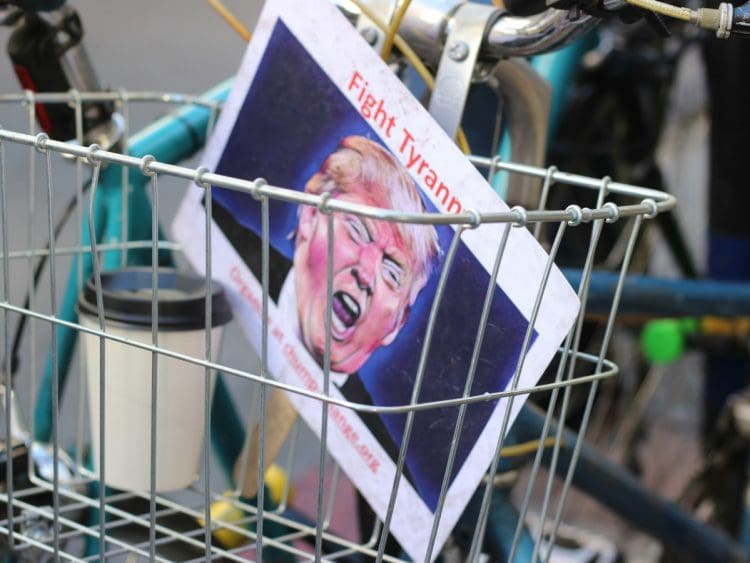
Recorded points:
(292,118)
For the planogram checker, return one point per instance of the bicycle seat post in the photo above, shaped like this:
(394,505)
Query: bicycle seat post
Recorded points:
(48,55)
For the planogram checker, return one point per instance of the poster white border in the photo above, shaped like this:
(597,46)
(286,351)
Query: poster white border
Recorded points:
(314,24)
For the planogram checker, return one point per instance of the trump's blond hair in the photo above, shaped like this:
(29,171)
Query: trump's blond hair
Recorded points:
(361,165)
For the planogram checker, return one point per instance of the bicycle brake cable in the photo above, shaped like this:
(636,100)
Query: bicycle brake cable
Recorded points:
(18,333)
(726,20)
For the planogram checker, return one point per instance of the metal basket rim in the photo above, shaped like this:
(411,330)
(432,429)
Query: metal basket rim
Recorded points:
(651,202)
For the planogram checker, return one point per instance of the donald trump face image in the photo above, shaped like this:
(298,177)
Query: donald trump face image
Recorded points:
(379,267)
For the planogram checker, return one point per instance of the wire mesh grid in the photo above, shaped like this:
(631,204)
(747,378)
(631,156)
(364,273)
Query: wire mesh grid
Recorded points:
(56,507)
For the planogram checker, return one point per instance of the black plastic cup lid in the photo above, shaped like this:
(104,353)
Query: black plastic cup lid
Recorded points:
(127,296)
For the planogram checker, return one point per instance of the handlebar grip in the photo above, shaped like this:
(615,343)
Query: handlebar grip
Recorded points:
(38,5)
(525,8)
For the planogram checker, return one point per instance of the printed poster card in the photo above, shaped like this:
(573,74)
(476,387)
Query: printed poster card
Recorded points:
(314,109)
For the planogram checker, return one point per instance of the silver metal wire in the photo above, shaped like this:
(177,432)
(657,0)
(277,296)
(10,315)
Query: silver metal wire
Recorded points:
(208,539)
(80,445)
(484,509)
(439,294)
(319,505)
(586,278)
(53,356)
(102,347)
(265,251)
(592,392)
(583,294)
(154,358)
(490,293)
(6,335)
(31,125)
(150,513)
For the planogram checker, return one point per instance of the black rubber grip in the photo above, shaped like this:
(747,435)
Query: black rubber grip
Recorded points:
(38,5)
(524,8)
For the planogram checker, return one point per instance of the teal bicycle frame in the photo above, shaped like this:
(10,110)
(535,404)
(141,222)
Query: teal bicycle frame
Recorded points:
(176,138)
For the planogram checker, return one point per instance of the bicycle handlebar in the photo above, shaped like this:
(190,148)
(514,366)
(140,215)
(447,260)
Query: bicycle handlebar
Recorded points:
(427,24)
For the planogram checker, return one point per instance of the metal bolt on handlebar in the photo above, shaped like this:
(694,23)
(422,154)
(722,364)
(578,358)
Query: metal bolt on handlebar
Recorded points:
(458,51)
(456,68)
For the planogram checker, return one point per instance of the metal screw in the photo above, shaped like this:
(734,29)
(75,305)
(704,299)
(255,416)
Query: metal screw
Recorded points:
(370,34)
(458,51)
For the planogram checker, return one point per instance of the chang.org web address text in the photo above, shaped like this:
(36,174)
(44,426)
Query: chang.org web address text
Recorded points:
(339,419)
(337,415)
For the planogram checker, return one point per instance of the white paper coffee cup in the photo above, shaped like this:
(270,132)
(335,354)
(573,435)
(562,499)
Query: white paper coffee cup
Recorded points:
(181,385)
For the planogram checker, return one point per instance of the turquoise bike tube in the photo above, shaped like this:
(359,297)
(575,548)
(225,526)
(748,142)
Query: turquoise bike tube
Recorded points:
(652,297)
(170,139)
(66,337)
(139,224)
(108,228)
(227,434)
(180,134)
(501,527)
(615,488)
(166,139)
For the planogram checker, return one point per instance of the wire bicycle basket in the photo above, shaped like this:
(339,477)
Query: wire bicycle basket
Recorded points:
(56,505)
